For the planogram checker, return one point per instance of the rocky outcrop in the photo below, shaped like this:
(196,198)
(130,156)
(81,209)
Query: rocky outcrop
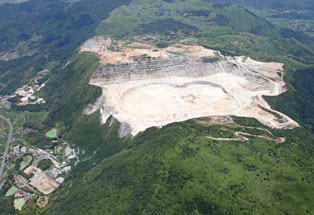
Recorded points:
(124,130)
(175,65)
(91,108)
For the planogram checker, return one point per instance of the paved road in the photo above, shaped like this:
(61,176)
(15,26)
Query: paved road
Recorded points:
(6,150)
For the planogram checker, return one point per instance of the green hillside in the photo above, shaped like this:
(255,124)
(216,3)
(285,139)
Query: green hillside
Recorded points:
(275,4)
(299,101)
(229,28)
(68,93)
(179,170)
(45,34)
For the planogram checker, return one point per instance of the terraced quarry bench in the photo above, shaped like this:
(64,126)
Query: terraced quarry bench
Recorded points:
(145,86)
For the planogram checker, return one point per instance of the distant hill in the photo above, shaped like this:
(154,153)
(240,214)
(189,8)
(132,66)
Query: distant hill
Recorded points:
(230,28)
(39,32)
(275,4)
(22,1)
(12,1)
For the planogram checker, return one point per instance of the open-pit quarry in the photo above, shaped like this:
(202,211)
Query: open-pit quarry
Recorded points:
(145,86)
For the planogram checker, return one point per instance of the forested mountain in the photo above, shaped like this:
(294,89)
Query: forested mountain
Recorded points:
(199,166)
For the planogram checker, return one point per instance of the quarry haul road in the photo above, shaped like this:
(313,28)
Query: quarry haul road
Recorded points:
(6,147)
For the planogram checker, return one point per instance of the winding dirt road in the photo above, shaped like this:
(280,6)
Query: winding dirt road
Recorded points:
(6,150)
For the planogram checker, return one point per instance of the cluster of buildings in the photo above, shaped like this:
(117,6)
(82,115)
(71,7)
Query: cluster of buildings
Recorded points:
(27,91)
(30,180)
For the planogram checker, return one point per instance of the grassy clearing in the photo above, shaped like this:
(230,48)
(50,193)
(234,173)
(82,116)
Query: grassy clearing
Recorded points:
(23,165)
(11,191)
(19,203)
(52,133)
(26,161)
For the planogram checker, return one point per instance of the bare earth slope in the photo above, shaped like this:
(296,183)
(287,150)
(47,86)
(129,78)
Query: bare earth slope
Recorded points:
(145,86)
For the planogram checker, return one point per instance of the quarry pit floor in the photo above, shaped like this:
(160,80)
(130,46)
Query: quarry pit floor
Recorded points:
(147,101)
(158,102)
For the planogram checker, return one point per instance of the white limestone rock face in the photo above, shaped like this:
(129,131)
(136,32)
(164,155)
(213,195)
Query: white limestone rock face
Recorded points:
(145,86)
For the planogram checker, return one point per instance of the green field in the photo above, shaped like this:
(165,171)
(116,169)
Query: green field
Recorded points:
(26,161)
(52,133)
(19,203)
(11,191)
(23,164)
